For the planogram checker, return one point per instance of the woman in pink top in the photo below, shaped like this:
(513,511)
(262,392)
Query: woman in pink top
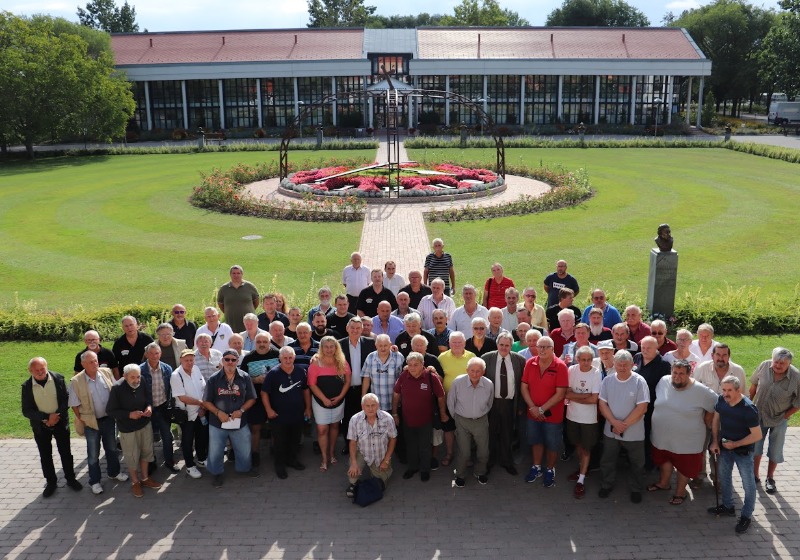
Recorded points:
(329,380)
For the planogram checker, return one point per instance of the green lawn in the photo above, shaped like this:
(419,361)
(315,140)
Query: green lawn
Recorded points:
(733,216)
(104,230)
(746,351)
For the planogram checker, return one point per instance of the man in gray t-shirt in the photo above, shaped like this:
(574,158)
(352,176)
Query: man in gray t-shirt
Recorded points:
(623,403)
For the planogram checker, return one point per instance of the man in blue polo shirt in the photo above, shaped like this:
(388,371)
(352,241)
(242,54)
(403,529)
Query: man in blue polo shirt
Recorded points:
(229,394)
(287,400)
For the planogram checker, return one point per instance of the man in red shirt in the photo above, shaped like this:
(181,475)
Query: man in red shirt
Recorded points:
(544,384)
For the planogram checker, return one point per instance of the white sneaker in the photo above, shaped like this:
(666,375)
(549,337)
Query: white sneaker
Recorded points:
(122,477)
(193,472)
(97,488)
(200,463)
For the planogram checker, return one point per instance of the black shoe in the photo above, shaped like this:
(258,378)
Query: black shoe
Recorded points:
(297,465)
(256,459)
(425,476)
(171,467)
(409,474)
(743,524)
(50,489)
(511,469)
(722,511)
(346,450)
(636,497)
(75,485)
(566,455)
(217,481)
(253,472)
(434,463)
(482,478)
(460,483)
(351,491)
(604,492)
(317,450)
(770,488)
(281,473)
(231,456)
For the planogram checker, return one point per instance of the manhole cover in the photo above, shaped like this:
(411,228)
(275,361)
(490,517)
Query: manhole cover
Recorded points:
(251,237)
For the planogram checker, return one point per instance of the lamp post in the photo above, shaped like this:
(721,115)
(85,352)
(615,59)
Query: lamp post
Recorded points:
(658,101)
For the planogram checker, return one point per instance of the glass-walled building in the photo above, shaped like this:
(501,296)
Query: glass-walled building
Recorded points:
(332,77)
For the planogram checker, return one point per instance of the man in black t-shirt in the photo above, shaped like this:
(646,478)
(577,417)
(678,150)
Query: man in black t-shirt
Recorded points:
(372,295)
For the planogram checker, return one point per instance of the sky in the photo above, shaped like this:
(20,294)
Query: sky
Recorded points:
(197,15)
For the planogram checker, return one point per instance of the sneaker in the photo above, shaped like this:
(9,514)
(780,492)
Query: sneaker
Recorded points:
(460,482)
(549,478)
(743,524)
(122,477)
(482,478)
(434,463)
(574,476)
(150,483)
(75,485)
(425,476)
(171,467)
(565,456)
(604,492)
(580,490)
(193,472)
(200,463)
(136,487)
(351,491)
(97,488)
(636,497)
(722,510)
(253,473)
(533,474)
(217,481)
(770,488)
(49,489)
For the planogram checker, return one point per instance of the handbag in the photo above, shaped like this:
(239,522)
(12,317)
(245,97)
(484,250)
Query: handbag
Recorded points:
(178,415)
(368,491)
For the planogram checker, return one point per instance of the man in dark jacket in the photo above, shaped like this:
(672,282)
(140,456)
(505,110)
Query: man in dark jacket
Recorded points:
(44,403)
(130,404)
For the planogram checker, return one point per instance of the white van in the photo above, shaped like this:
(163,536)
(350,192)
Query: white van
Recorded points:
(781,112)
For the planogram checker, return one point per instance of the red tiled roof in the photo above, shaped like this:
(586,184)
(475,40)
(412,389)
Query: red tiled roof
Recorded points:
(566,43)
(237,46)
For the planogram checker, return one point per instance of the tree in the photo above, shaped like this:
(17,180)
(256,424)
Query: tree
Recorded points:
(487,13)
(106,16)
(780,53)
(338,13)
(51,86)
(596,13)
(404,22)
(730,33)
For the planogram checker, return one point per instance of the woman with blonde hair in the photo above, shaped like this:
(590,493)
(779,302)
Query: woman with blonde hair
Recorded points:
(329,380)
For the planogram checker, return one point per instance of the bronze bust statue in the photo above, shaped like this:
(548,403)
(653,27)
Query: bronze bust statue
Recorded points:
(664,238)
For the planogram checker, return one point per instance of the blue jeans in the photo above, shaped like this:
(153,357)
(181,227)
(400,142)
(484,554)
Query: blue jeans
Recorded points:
(725,473)
(240,440)
(160,420)
(104,434)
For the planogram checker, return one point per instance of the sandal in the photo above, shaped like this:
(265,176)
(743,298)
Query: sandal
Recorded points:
(334,460)
(446,461)
(656,488)
(323,467)
(678,500)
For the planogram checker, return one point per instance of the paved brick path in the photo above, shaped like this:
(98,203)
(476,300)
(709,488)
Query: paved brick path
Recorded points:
(397,231)
(308,516)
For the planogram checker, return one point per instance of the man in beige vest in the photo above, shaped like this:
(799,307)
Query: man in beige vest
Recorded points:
(88,396)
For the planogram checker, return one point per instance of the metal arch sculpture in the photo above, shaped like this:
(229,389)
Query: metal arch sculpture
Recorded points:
(484,119)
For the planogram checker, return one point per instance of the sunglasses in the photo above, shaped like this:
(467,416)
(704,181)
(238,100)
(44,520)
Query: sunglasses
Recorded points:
(230,360)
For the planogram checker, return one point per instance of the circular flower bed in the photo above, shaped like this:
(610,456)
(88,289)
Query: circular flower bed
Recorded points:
(377,182)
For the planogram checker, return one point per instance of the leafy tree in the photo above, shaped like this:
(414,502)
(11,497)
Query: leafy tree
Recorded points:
(486,13)
(780,54)
(404,22)
(338,13)
(52,87)
(730,33)
(106,16)
(596,13)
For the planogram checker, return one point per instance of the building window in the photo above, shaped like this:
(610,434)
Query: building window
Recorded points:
(430,110)
(394,64)
(470,87)
(202,96)
(166,104)
(277,99)
(541,99)
(310,91)
(577,100)
(503,101)
(648,88)
(615,99)
(140,113)
(350,102)
(241,99)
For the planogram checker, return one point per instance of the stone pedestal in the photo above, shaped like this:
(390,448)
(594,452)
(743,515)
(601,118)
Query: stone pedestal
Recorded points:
(661,282)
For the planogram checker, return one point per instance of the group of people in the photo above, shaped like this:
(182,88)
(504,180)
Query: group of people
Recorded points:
(401,370)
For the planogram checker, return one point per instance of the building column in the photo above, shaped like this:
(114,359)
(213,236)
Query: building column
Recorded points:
(221,105)
(370,112)
(335,106)
(147,106)
(521,101)
(185,106)
(486,95)
(689,103)
(447,101)
(559,107)
(670,84)
(297,103)
(259,108)
(632,116)
(596,99)
(700,101)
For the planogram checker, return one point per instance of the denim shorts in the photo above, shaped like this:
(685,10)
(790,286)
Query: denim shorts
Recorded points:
(777,435)
(545,433)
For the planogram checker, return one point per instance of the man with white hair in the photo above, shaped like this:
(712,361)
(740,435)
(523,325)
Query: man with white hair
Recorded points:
(637,328)
(381,370)
(437,300)
(324,294)
(703,346)
(105,357)
(219,332)
(372,436)
(598,332)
